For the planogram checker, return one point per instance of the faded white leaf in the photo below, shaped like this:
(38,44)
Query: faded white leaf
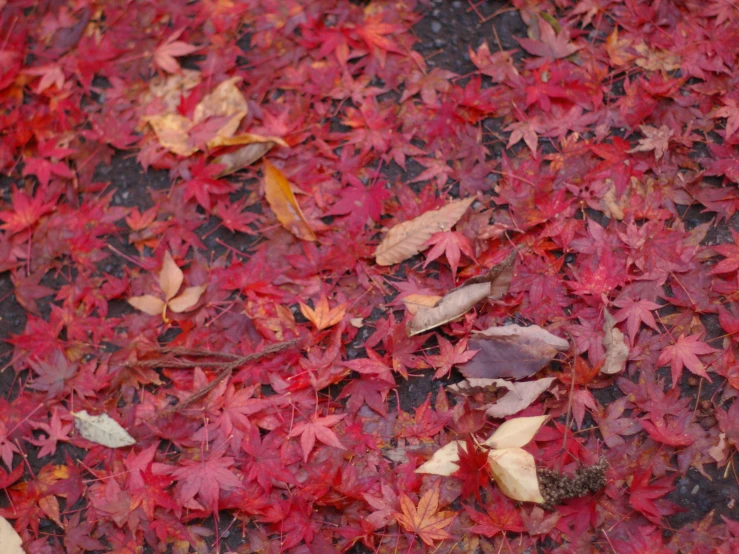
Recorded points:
(102,429)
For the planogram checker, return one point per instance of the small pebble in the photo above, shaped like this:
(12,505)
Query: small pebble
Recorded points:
(435,27)
(457,4)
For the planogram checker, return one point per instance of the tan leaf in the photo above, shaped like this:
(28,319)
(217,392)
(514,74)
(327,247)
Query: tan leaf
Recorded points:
(407,239)
(511,352)
(425,520)
(170,278)
(654,139)
(255,148)
(520,397)
(617,351)
(10,540)
(148,303)
(226,100)
(415,302)
(657,60)
(444,461)
(453,305)
(322,316)
(611,204)
(102,429)
(514,471)
(187,300)
(282,201)
(173,132)
(515,433)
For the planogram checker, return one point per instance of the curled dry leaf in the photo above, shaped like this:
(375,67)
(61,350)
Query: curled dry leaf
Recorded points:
(511,352)
(10,540)
(253,149)
(617,351)
(102,429)
(415,302)
(459,301)
(407,239)
(282,201)
(170,281)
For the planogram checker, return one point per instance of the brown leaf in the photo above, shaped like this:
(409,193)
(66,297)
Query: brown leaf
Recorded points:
(173,132)
(407,239)
(255,147)
(282,201)
(520,397)
(226,100)
(460,300)
(425,520)
(415,302)
(511,352)
(617,351)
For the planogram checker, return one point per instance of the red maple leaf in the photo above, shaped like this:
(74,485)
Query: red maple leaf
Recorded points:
(644,496)
(549,45)
(473,473)
(48,163)
(450,355)
(685,352)
(452,244)
(731,255)
(500,516)
(204,478)
(56,431)
(635,312)
(26,212)
(675,431)
(317,428)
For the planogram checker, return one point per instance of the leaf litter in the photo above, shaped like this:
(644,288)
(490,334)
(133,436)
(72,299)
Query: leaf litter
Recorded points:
(604,163)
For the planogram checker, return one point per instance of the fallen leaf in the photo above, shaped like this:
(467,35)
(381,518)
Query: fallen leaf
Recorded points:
(617,351)
(102,429)
(520,397)
(10,540)
(322,316)
(407,239)
(255,147)
(654,139)
(459,301)
(165,54)
(444,461)
(227,101)
(415,302)
(173,132)
(515,433)
(425,520)
(514,471)
(511,352)
(282,201)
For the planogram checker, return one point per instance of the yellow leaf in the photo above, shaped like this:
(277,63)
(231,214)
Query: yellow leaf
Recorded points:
(514,471)
(322,316)
(173,132)
(148,303)
(410,237)
(187,300)
(170,278)
(282,201)
(444,461)
(226,100)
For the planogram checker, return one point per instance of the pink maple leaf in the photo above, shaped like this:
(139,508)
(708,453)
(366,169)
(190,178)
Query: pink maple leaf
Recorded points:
(317,428)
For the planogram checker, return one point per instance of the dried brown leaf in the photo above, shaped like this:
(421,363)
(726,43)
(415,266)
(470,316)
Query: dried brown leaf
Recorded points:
(171,277)
(514,471)
(452,306)
(617,351)
(407,239)
(515,433)
(187,300)
(226,100)
(519,397)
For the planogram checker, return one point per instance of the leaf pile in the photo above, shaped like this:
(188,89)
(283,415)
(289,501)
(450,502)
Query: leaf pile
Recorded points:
(236,238)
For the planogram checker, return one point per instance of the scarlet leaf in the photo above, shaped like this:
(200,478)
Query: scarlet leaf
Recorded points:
(425,520)
(684,353)
(317,428)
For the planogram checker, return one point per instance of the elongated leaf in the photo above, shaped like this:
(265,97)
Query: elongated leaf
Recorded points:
(617,351)
(515,432)
(282,201)
(514,471)
(187,300)
(520,397)
(148,303)
(408,238)
(452,306)
(102,429)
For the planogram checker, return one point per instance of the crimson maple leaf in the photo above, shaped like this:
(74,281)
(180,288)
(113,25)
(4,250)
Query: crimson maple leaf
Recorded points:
(501,516)
(452,244)
(675,431)
(203,183)
(264,464)
(685,352)
(165,54)
(204,478)
(450,355)
(56,431)
(473,473)
(317,428)
(26,212)
(635,312)
(47,164)
(643,496)
(549,45)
